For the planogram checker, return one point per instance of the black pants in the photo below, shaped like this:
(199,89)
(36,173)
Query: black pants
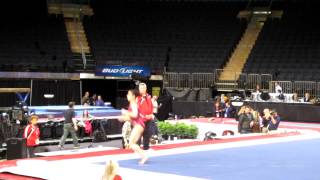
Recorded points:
(147,133)
(150,129)
(30,151)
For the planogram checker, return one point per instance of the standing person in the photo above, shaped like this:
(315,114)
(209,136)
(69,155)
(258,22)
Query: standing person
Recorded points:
(218,109)
(155,105)
(145,107)
(32,134)
(132,114)
(229,110)
(69,126)
(86,98)
(92,100)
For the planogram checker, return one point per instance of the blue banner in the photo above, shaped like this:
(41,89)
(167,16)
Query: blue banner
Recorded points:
(122,71)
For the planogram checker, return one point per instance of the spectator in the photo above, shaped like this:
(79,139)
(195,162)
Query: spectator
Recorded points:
(111,171)
(258,89)
(99,101)
(255,95)
(271,120)
(218,109)
(85,122)
(278,88)
(92,100)
(86,98)
(241,111)
(274,121)
(307,97)
(295,97)
(155,104)
(155,130)
(229,110)
(265,120)
(257,122)
(245,121)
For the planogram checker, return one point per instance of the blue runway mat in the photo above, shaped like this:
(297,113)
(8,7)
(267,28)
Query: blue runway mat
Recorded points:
(297,160)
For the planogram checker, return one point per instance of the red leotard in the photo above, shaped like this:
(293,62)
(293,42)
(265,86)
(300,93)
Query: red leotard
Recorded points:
(117,177)
(136,120)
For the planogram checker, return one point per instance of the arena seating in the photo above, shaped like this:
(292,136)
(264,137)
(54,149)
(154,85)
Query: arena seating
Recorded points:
(33,41)
(198,38)
(288,48)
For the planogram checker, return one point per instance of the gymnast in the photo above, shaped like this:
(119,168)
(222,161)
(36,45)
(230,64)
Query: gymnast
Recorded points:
(138,125)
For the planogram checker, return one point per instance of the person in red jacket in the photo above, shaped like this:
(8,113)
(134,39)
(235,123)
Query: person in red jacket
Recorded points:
(32,134)
(145,108)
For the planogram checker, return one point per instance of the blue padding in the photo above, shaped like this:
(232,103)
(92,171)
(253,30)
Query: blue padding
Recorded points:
(57,111)
(290,160)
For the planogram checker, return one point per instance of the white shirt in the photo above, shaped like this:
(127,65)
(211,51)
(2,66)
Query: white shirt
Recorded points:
(278,89)
(155,106)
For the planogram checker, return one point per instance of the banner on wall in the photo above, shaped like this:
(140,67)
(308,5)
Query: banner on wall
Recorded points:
(122,71)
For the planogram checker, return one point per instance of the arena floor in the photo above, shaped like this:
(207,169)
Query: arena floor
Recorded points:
(289,153)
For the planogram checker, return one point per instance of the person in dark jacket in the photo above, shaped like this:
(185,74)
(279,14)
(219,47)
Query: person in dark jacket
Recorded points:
(245,121)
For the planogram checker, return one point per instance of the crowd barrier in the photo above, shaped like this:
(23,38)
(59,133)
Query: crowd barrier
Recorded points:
(243,81)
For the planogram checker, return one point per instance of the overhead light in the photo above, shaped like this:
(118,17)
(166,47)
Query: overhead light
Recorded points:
(48,96)
(261,12)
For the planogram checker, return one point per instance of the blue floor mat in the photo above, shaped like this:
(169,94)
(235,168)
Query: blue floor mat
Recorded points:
(297,160)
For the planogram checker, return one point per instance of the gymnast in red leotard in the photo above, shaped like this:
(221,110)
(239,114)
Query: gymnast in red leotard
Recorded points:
(138,125)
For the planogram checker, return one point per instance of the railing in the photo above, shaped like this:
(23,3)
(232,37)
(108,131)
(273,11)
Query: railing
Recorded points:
(245,81)
(177,80)
(302,87)
(188,80)
(265,80)
(202,80)
(287,86)
(225,84)
(299,87)
(83,54)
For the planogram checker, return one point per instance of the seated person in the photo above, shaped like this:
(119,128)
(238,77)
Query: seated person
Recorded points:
(271,120)
(257,122)
(258,89)
(278,88)
(245,121)
(295,97)
(241,111)
(307,97)
(255,95)
(274,121)
(99,101)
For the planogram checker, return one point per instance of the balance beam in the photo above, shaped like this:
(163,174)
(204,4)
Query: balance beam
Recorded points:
(15,90)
